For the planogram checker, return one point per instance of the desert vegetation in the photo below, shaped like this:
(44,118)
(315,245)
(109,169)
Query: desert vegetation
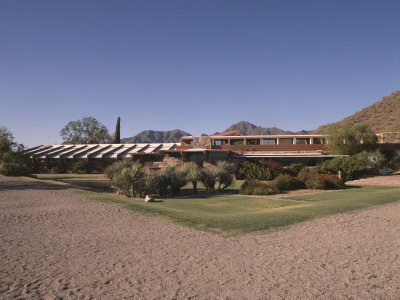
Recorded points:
(267,177)
(132,180)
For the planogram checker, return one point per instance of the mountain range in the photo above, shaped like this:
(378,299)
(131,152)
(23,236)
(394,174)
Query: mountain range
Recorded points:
(152,136)
(382,116)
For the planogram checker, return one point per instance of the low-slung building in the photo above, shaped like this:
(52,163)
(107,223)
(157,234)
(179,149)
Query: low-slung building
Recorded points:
(308,149)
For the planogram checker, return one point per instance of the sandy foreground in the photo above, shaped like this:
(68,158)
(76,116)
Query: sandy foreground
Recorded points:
(57,245)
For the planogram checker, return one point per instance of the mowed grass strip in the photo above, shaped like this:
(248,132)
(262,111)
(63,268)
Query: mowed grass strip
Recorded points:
(238,214)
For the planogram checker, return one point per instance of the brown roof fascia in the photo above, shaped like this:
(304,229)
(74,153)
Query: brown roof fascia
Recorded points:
(170,151)
(141,153)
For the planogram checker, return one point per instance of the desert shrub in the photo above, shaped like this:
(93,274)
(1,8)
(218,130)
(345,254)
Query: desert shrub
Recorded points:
(259,170)
(324,182)
(136,177)
(193,174)
(81,167)
(305,173)
(111,170)
(120,180)
(286,182)
(315,182)
(208,178)
(155,184)
(351,167)
(294,169)
(128,177)
(175,178)
(224,174)
(256,187)
(332,182)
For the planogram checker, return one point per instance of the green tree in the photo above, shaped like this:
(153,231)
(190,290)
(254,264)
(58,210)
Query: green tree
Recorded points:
(85,131)
(117,136)
(349,138)
(7,142)
(13,161)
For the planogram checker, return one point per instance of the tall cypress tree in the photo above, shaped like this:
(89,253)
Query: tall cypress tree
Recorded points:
(117,137)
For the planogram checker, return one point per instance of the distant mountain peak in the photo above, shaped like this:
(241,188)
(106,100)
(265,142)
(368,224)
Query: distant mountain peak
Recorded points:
(153,136)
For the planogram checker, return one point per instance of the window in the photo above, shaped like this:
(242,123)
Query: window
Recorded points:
(302,141)
(285,141)
(237,142)
(269,141)
(187,142)
(318,141)
(253,142)
(220,142)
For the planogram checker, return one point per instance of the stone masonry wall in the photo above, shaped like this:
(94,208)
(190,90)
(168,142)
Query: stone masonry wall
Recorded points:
(202,142)
(388,137)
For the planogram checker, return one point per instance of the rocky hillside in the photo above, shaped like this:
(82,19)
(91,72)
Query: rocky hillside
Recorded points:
(382,116)
(246,128)
(151,136)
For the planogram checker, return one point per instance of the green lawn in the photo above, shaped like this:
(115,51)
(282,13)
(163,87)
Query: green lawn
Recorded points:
(237,214)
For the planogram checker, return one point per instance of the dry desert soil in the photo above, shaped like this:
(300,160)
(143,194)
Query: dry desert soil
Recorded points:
(58,245)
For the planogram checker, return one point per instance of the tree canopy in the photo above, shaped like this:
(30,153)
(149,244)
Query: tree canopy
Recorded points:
(349,138)
(85,131)
(6,140)
(13,161)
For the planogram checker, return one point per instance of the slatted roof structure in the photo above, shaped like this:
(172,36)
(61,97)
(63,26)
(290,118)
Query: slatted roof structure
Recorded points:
(97,150)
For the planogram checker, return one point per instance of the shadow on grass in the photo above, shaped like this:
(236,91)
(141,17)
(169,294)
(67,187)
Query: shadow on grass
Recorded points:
(349,187)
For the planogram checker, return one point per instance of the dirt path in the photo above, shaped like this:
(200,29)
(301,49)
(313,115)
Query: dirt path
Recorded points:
(389,180)
(57,245)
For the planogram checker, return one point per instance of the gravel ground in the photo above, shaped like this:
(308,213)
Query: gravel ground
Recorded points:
(58,245)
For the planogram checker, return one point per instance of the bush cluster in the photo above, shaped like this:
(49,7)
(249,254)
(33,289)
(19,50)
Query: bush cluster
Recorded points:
(259,170)
(257,187)
(294,169)
(356,166)
(286,182)
(324,182)
(307,178)
(132,180)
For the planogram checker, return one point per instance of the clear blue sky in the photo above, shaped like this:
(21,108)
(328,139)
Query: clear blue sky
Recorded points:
(199,66)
